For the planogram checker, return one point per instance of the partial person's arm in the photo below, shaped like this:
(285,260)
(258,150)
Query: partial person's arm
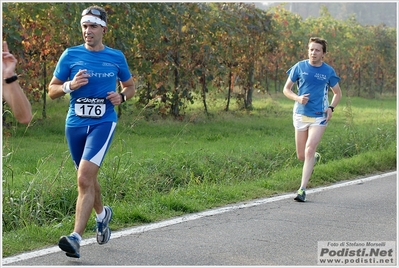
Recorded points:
(293,96)
(19,104)
(335,100)
(337,95)
(58,88)
(12,92)
(55,88)
(128,89)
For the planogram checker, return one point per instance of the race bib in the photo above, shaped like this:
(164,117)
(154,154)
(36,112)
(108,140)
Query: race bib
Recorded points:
(307,119)
(90,107)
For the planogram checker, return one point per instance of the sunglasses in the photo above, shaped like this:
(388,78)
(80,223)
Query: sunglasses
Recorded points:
(92,11)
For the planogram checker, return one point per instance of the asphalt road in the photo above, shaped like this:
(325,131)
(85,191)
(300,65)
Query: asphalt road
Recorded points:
(268,232)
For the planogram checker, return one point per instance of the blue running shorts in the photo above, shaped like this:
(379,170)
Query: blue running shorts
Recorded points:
(90,143)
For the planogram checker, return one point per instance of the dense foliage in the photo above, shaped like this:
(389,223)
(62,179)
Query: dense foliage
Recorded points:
(180,53)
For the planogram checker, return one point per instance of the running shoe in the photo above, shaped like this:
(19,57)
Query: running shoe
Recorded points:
(70,244)
(103,231)
(317,158)
(301,196)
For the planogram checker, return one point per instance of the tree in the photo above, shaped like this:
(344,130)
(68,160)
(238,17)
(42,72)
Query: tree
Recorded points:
(178,51)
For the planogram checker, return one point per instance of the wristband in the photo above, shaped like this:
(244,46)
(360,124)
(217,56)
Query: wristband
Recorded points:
(66,87)
(123,97)
(332,108)
(11,79)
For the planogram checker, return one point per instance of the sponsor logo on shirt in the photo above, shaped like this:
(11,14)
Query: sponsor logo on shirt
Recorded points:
(100,75)
(320,76)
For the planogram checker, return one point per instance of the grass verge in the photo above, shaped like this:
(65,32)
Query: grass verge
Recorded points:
(158,169)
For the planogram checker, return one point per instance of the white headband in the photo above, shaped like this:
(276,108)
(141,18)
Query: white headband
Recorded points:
(93,19)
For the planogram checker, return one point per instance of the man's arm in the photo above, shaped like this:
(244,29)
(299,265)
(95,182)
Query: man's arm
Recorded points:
(128,89)
(56,86)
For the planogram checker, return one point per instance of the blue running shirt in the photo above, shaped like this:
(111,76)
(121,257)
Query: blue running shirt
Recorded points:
(316,81)
(105,68)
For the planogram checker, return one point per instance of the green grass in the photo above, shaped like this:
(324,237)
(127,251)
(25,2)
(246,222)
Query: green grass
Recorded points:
(158,169)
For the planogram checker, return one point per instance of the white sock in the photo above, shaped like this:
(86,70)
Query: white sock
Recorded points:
(100,216)
(75,234)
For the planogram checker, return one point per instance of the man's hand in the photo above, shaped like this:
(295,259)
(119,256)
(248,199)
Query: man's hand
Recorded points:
(114,97)
(80,79)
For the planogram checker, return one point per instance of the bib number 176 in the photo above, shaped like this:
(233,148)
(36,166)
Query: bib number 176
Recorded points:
(90,107)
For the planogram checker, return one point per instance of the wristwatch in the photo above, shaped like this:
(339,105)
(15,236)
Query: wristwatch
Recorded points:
(332,108)
(123,97)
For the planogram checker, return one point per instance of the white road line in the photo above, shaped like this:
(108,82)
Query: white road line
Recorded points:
(190,217)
